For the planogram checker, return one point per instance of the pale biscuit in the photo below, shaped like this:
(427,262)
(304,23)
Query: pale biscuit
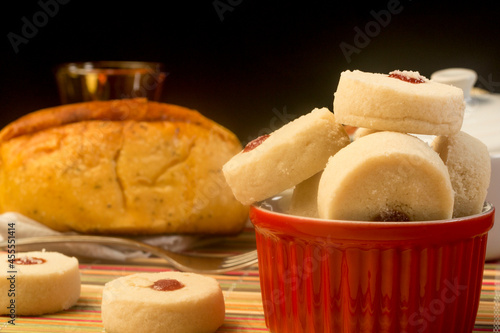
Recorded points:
(132,304)
(385,176)
(362,131)
(380,102)
(469,166)
(42,282)
(289,155)
(304,197)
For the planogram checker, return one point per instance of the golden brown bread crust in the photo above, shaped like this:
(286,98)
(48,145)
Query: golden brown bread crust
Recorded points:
(122,167)
(139,109)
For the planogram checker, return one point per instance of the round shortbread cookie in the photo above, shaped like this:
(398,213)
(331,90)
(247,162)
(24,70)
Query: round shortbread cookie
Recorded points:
(291,154)
(162,302)
(380,102)
(38,283)
(362,131)
(385,176)
(304,197)
(469,166)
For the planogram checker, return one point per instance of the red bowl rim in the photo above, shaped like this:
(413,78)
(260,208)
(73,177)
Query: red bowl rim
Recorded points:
(439,230)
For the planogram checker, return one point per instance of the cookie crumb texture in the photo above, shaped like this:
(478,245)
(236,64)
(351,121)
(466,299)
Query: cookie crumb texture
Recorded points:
(130,305)
(380,102)
(386,176)
(290,155)
(41,283)
(468,162)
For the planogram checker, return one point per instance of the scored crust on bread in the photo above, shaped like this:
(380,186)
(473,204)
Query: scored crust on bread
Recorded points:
(122,167)
(289,155)
(45,282)
(469,166)
(385,176)
(382,102)
(163,302)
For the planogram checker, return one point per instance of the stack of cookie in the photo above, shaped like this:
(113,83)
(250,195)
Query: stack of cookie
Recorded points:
(385,172)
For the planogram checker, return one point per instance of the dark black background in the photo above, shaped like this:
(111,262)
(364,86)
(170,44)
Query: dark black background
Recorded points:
(250,68)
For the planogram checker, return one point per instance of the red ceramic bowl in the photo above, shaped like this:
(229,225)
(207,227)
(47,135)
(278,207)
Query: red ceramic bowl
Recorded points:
(348,276)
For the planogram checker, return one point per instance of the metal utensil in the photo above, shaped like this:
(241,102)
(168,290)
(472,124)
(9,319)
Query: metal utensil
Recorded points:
(196,263)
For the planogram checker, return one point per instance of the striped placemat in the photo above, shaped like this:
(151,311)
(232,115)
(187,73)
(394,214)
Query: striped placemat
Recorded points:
(244,311)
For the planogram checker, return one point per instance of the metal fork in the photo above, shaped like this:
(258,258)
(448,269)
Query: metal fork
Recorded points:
(199,263)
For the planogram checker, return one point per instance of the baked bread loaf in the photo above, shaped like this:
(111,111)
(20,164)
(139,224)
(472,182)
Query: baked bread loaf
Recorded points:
(469,166)
(403,101)
(385,176)
(298,150)
(121,167)
(162,303)
(44,282)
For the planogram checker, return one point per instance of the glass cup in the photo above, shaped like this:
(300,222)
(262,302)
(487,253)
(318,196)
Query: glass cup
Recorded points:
(348,276)
(107,80)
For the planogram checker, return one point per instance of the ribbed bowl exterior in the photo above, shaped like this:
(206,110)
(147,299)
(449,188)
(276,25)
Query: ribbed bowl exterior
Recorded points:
(340,276)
